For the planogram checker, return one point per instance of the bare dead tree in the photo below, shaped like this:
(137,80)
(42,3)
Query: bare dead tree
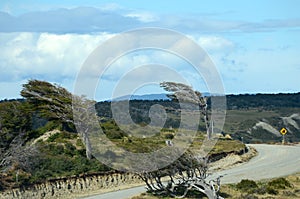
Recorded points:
(84,118)
(19,155)
(187,173)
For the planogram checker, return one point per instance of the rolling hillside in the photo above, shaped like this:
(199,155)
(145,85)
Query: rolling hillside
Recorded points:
(256,118)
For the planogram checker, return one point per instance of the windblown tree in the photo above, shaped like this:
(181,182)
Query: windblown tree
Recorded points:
(189,171)
(186,93)
(49,101)
(55,104)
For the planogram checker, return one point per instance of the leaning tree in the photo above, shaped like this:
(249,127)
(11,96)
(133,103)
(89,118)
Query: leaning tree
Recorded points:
(186,93)
(55,103)
(188,173)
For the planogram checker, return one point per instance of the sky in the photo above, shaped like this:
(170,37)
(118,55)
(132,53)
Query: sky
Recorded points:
(254,45)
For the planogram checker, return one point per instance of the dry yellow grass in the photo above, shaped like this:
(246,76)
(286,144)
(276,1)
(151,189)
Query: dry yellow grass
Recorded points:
(230,191)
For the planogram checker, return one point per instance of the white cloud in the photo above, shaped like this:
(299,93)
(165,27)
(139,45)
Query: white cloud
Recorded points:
(58,57)
(114,18)
(51,57)
(143,16)
(32,54)
(111,7)
(215,43)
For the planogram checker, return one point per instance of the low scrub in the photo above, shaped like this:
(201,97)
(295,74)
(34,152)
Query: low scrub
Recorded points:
(247,185)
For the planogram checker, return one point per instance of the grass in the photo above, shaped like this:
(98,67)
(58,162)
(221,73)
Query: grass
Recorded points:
(242,120)
(149,144)
(278,188)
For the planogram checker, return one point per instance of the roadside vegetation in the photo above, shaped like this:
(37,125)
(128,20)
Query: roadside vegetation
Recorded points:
(278,188)
(39,140)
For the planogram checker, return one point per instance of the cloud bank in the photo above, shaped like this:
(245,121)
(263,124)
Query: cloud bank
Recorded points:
(116,19)
(52,45)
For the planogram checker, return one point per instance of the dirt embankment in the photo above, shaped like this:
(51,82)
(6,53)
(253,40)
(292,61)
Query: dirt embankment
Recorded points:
(226,161)
(74,187)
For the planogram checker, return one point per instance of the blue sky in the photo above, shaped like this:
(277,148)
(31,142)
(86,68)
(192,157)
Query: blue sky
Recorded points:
(255,45)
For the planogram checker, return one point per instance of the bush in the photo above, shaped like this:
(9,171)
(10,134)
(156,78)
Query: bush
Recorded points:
(247,185)
(53,137)
(279,183)
(49,126)
(79,143)
(70,149)
(271,190)
(260,190)
(169,136)
(1,186)
(21,178)
(113,134)
(289,194)
(61,137)
(54,149)
(41,175)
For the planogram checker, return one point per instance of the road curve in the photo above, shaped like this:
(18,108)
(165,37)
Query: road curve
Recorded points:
(272,161)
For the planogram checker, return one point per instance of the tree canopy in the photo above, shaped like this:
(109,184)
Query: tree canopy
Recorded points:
(51,101)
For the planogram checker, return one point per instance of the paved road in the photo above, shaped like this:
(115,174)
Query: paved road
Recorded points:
(271,161)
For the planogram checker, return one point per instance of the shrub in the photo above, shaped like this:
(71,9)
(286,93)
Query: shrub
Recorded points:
(247,185)
(113,134)
(289,194)
(70,149)
(61,137)
(260,190)
(271,190)
(21,178)
(49,126)
(169,136)
(53,137)
(54,149)
(279,183)
(79,143)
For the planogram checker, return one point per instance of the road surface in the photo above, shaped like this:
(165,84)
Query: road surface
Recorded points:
(272,161)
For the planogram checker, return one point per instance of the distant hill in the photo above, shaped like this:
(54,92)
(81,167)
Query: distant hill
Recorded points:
(157,96)
(255,117)
(160,96)
(234,102)
(265,101)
